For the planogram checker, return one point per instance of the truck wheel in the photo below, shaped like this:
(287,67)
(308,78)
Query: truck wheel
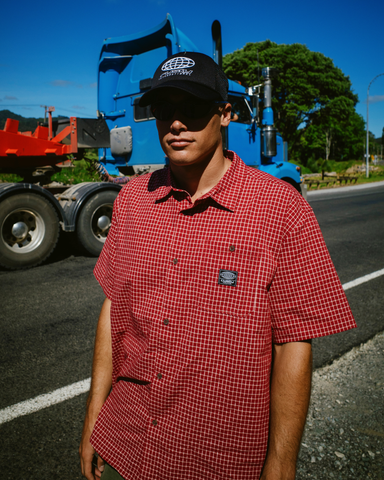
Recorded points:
(29,230)
(94,221)
(293,183)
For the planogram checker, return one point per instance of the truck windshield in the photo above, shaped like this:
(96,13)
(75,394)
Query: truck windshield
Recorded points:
(240,110)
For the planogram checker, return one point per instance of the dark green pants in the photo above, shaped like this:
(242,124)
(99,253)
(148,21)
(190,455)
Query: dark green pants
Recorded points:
(110,473)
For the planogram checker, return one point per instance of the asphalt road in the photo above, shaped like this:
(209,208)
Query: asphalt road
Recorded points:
(352,222)
(48,318)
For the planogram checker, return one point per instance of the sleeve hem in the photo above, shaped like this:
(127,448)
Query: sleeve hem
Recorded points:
(276,338)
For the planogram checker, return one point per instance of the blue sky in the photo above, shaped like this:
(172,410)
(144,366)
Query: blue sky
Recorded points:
(50,49)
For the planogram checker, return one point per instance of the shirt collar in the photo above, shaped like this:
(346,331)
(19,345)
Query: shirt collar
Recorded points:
(225,193)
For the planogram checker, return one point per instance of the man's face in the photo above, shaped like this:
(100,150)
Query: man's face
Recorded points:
(187,141)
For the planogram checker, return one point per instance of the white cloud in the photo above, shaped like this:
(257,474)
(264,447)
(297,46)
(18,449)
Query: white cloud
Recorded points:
(64,83)
(374,99)
(61,83)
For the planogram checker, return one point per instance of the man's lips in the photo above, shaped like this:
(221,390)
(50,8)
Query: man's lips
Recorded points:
(179,142)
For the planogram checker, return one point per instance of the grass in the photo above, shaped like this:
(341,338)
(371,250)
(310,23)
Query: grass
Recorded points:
(373,177)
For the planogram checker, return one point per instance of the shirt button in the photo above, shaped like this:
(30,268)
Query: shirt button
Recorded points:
(175,261)
(232,248)
(166,321)
(154,422)
(159,376)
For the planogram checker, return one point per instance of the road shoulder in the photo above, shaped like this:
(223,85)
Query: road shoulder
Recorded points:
(344,435)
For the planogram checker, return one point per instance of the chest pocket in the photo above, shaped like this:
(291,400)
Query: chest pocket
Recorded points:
(233,279)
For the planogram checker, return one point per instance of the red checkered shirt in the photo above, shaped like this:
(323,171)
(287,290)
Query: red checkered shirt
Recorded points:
(199,292)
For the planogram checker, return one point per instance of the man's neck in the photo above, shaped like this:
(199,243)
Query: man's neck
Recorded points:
(198,179)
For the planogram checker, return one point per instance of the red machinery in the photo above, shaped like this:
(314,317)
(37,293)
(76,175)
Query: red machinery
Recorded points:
(27,150)
(23,152)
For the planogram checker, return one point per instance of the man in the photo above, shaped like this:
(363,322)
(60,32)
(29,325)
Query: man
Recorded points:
(216,277)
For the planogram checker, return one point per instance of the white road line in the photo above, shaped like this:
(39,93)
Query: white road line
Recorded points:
(364,279)
(44,401)
(71,391)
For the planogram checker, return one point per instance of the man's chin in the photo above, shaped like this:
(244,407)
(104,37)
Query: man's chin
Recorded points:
(180,159)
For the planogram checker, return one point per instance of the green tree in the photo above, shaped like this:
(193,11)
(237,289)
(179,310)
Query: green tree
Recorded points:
(339,132)
(350,142)
(372,142)
(312,98)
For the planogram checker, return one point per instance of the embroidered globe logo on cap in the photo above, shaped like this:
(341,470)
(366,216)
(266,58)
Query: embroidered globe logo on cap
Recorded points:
(192,72)
(176,63)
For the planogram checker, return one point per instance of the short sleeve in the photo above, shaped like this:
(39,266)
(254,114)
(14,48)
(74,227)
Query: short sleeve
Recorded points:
(105,268)
(306,297)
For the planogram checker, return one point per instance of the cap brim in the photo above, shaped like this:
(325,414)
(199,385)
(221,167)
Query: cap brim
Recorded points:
(195,89)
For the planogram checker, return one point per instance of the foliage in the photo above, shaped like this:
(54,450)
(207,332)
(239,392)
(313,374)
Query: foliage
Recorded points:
(82,171)
(323,166)
(304,168)
(341,167)
(313,100)
(375,176)
(10,178)
(314,166)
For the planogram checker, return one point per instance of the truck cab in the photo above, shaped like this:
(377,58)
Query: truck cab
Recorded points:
(125,70)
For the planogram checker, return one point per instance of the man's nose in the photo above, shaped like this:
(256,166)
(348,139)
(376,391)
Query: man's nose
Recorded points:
(177,124)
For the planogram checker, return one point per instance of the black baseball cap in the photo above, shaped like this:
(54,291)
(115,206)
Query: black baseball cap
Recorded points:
(191,72)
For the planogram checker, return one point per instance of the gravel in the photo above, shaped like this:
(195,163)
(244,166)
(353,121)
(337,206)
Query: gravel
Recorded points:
(344,434)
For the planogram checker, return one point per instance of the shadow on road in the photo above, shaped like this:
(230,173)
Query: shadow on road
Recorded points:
(66,247)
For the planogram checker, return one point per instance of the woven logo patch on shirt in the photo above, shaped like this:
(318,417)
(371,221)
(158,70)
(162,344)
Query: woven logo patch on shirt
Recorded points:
(228,277)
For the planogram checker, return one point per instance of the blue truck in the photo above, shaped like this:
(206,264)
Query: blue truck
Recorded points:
(126,66)
(32,214)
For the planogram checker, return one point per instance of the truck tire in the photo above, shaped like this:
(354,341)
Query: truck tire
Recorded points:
(94,221)
(29,230)
(293,183)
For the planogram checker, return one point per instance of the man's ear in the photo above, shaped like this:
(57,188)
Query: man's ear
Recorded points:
(226,115)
